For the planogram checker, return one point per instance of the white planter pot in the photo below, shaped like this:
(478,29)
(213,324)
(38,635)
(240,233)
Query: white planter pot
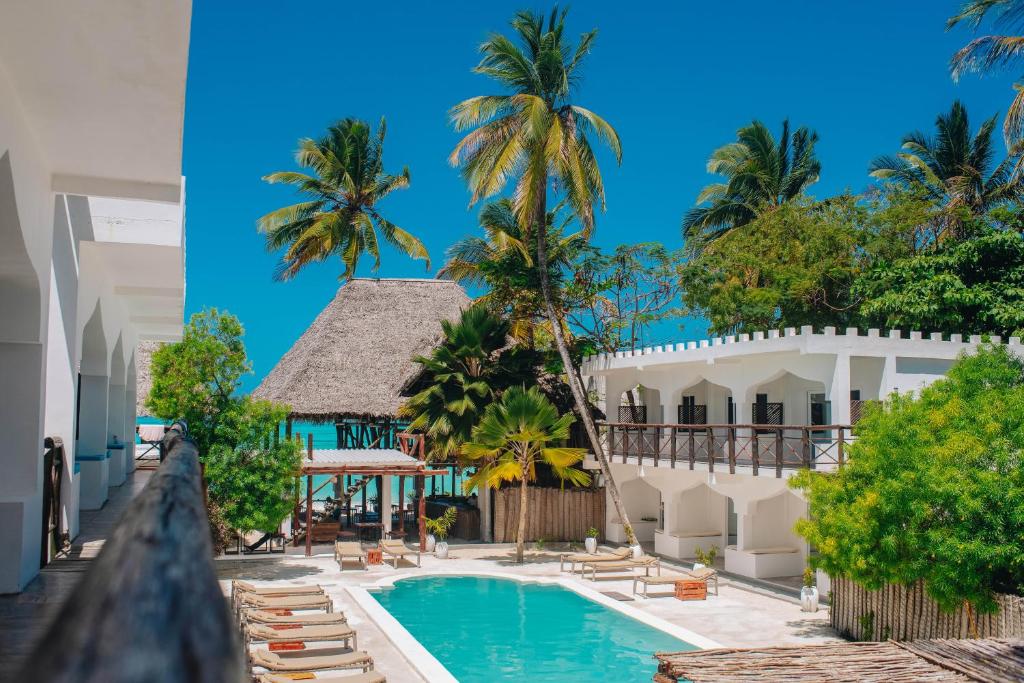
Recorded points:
(638,552)
(591,544)
(431,541)
(441,550)
(809,599)
(698,565)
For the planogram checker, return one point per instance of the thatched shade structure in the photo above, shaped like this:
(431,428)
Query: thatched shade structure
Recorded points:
(355,360)
(887,662)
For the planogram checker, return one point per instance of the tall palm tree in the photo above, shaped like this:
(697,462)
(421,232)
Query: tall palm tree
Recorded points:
(513,436)
(994,52)
(463,375)
(340,216)
(956,169)
(760,174)
(501,261)
(535,137)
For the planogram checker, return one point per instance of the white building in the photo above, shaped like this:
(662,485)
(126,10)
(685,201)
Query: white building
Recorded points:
(755,409)
(91,242)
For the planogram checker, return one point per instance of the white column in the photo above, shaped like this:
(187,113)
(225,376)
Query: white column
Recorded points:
(839,390)
(129,428)
(91,449)
(115,430)
(385,502)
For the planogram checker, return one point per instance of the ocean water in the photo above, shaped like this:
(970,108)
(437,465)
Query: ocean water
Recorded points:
(488,629)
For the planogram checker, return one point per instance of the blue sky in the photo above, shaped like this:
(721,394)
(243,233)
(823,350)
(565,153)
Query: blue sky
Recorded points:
(676,80)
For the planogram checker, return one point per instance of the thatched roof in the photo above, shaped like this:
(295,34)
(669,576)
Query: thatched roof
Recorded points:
(143,378)
(888,662)
(355,360)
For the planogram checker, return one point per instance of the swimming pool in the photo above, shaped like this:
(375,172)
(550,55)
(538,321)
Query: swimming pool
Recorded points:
(491,629)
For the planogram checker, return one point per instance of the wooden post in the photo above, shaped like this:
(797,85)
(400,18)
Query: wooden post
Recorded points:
(365,486)
(805,444)
(453,480)
(288,428)
(730,435)
(401,505)
(309,497)
(422,512)
(778,452)
(755,457)
(348,500)
(839,446)
(298,489)
(692,447)
(711,449)
(675,433)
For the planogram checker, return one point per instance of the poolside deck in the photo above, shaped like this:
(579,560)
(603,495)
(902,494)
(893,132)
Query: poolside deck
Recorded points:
(24,616)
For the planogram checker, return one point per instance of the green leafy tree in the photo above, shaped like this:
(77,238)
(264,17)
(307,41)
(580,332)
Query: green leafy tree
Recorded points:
(974,286)
(761,174)
(994,52)
(793,266)
(933,490)
(340,217)
(534,136)
(515,434)
(250,479)
(461,377)
(502,263)
(955,167)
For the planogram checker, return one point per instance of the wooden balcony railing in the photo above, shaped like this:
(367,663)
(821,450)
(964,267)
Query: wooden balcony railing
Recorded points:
(149,608)
(757,446)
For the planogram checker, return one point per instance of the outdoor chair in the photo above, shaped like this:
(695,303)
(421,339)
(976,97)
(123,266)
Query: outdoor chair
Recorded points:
(705,575)
(272,633)
(349,549)
(250,601)
(616,555)
(320,659)
(398,550)
(647,561)
(365,677)
(258,616)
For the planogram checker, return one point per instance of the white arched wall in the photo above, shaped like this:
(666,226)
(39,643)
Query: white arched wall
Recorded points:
(705,392)
(93,395)
(130,402)
(115,413)
(641,499)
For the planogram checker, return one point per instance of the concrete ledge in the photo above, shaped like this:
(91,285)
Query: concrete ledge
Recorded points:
(764,565)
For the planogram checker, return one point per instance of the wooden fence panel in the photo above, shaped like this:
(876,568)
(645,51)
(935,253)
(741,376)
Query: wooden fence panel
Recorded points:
(907,613)
(552,514)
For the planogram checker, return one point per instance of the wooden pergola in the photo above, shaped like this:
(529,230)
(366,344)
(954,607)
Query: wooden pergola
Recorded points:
(370,462)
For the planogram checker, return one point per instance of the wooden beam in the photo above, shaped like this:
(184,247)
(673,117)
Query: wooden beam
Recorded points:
(401,505)
(421,489)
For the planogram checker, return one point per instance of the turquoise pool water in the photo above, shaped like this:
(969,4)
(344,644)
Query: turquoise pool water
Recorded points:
(487,629)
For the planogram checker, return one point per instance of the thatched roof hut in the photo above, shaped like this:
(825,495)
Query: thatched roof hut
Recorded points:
(355,360)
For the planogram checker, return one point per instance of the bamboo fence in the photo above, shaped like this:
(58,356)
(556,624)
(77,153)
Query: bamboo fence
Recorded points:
(551,514)
(900,612)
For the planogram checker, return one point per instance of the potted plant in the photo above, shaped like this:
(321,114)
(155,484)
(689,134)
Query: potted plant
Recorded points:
(809,593)
(591,540)
(438,529)
(705,559)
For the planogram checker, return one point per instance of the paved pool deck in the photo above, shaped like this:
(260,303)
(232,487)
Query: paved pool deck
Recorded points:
(741,615)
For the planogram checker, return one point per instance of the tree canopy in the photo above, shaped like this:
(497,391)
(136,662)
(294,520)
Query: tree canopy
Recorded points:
(933,489)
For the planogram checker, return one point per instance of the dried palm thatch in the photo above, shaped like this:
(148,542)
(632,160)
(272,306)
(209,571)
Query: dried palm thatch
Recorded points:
(891,662)
(143,378)
(355,360)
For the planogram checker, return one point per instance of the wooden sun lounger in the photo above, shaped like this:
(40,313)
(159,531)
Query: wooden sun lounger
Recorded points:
(579,558)
(320,659)
(647,561)
(248,601)
(258,616)
(704,575)
(398,550)
(240,588)
(270,633)
(349,549)
(365,677)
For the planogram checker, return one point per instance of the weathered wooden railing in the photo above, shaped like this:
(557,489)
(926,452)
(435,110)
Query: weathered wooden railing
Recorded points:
(757,446)
(149,608)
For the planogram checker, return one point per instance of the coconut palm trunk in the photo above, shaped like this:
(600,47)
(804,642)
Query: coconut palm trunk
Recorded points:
(578,395)
(523,498)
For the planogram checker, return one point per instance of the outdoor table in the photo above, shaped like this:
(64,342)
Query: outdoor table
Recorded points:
(374,556)
(690,589)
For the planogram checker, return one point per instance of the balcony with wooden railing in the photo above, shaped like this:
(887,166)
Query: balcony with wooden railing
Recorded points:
(728,447)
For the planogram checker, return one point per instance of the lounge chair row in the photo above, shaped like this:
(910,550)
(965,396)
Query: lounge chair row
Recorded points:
(268,615)
(621,559)
(394,548)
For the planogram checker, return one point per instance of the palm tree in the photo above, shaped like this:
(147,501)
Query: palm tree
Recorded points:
(462,376)
(956,169)
(502,262)
(993,52)
(760,174)
(340,216)
(513,436)
(533,134)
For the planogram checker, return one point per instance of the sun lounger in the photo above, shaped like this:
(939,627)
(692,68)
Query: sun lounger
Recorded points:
(647,561)
(270,633)
(705,575)
(616,555)
(349,549)
(248,601)
(258,616)
(398,550)
(247,587)
(365,677)
(319,659)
